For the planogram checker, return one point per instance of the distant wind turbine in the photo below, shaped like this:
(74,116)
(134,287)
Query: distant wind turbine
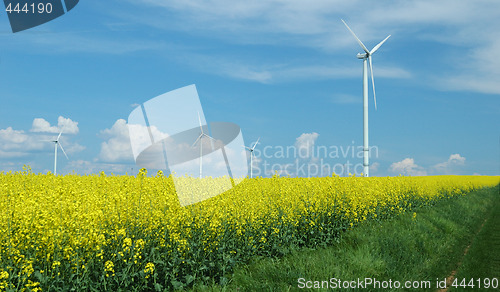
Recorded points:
(199,139)
(364,57)
(56,143)
(251,149)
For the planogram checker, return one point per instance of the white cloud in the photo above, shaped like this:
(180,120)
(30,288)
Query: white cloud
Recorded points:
(10,135)
(451,166)
(467,28)
(478,72)
(17,143)
(72,148)
(63,124)
(67,125)
(244,72)
(12,154)
(20,144)
(304,145)
(374,167)
(248,17)
(41,125)
(316,23)
(333,71)
(407,167)
(117,147)
(87,42)
(454,165)
(456,158)
(272,71)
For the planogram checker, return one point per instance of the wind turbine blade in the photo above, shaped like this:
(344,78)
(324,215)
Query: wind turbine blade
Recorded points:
(379,44)
(197,139)
(373,82)
(60,133)
(248,148)
(199,120)
(63,150)
(359,41)
(206,136)
(255,144)
(212,140)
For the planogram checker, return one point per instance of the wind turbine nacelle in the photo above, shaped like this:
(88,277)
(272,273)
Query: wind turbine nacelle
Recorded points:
(362,56)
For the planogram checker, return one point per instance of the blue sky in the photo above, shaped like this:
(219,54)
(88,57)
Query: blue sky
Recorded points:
(285,71)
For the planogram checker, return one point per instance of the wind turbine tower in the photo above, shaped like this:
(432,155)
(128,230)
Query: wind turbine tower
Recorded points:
(57,143)
(200,139)
(367,58)
(251,149)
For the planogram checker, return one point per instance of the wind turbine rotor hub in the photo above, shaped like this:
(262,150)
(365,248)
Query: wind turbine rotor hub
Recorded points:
(362,56)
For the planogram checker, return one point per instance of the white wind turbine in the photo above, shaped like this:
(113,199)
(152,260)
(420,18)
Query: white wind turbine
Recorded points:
(56,143)
(251,149)
(364,57)
(200,137)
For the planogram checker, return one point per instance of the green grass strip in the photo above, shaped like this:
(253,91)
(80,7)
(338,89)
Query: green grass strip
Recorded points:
(481,263)
(422,246)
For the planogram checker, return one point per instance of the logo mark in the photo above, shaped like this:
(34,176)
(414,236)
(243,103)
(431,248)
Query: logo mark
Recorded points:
(25,14)
(169,132)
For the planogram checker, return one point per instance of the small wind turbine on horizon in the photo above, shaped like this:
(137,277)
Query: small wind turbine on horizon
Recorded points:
(56,143)
(199,139)
(251,149)
(367,56)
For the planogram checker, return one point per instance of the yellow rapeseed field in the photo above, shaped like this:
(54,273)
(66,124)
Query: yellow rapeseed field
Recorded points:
(99,232)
